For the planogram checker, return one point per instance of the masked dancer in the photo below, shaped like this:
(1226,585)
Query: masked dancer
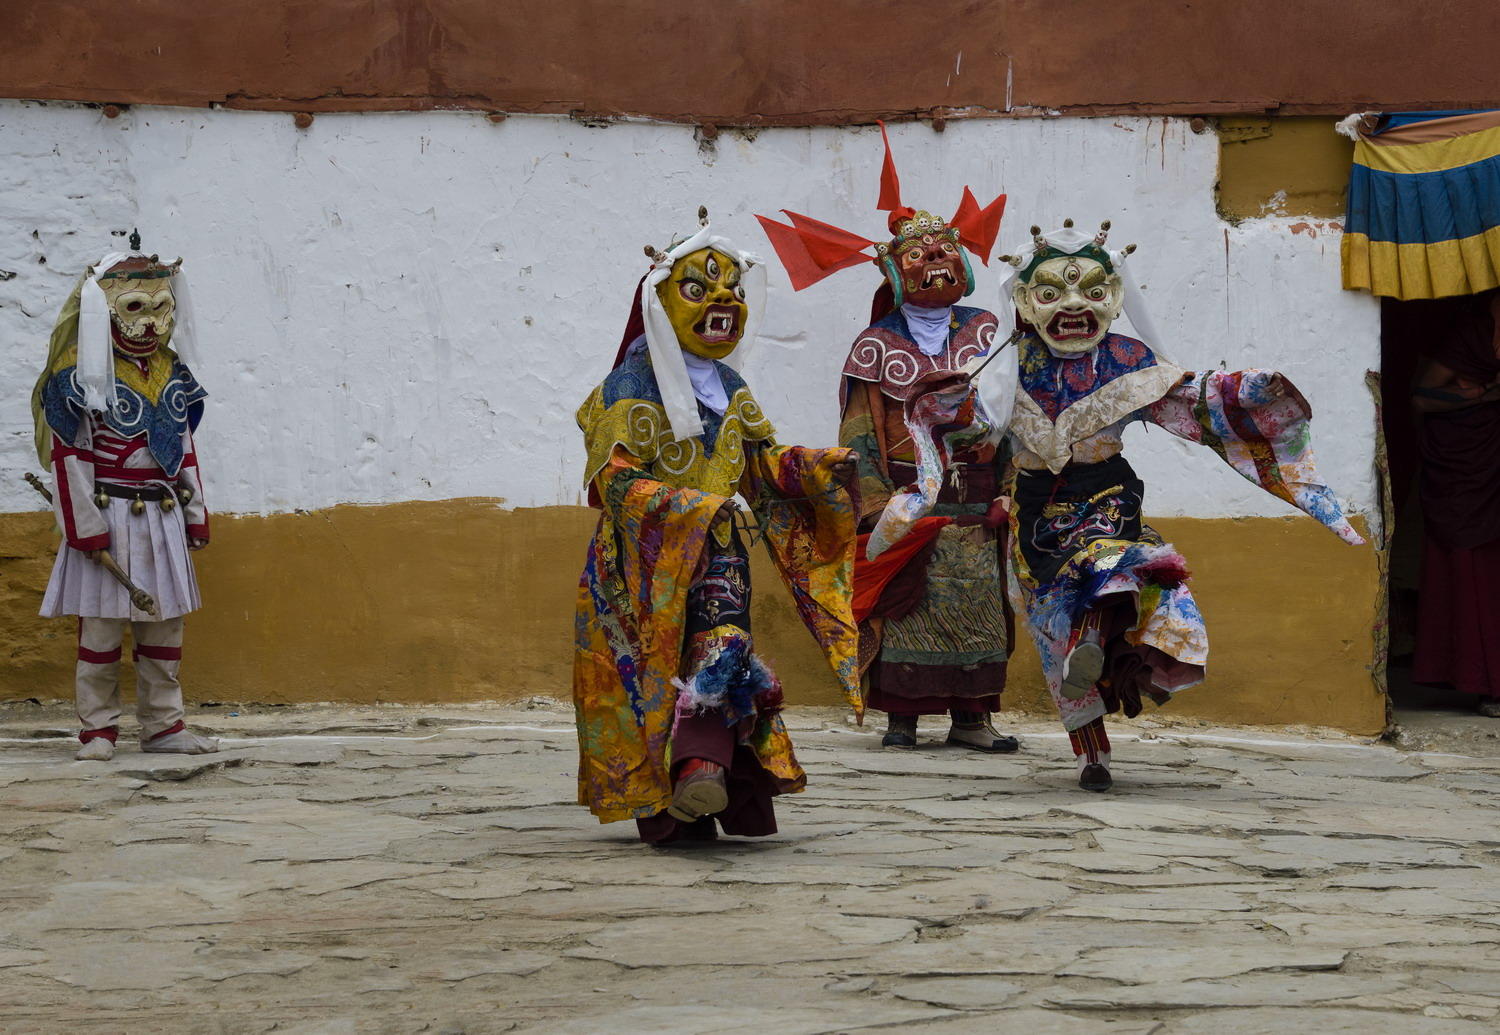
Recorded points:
(115,411)
(935,626)
(679,720)
(1106,599)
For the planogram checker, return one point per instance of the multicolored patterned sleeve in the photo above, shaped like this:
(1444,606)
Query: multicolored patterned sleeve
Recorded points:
(809,522)
(1261,426)
(942,420)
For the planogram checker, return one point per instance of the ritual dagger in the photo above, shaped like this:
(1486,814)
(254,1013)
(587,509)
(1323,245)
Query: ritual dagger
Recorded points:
(1015,336)
(138,597)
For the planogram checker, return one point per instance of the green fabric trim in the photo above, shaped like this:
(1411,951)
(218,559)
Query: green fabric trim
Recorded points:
(1088,251)
(139,275)
(1206,422)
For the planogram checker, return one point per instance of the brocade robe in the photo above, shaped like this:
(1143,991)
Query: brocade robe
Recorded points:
(658,499)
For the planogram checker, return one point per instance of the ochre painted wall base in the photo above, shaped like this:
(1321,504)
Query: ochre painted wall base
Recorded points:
(462,600)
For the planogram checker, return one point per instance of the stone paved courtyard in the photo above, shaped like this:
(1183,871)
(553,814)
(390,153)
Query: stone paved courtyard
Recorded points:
(412,869)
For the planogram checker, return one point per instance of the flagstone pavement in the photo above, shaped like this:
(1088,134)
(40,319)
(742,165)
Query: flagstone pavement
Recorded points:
(423,869)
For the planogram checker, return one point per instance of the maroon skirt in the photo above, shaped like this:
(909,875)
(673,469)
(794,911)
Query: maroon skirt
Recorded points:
(1458,622)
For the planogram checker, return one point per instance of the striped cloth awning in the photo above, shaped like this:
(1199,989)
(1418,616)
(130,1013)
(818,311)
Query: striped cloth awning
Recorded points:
(1424,206)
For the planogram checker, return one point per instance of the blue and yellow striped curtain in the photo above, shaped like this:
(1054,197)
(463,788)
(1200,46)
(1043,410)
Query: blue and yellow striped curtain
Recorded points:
(1424,206)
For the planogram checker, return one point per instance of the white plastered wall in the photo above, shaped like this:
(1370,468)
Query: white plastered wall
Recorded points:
(411,306)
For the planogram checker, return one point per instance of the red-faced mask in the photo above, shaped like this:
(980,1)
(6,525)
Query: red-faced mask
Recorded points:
(924,263)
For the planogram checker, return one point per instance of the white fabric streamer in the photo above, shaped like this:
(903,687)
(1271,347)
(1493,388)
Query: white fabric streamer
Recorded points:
(708,386)
(668,361)
(185,329)
(1135,306)
(96,363)
(753,280)
(996,387)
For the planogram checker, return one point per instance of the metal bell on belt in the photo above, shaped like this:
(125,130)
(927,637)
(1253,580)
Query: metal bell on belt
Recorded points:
(168,503)
(138,506)
(101,499)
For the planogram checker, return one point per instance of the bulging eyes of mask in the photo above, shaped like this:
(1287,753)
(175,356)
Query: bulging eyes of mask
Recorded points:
(142,314)
(705,303)
(1071,301)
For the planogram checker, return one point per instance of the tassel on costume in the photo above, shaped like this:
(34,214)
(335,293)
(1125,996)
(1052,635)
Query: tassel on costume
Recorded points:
(1148,564)
(732,680)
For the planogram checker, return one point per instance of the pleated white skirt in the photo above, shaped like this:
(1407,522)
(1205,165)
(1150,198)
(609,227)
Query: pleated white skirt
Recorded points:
(150,547)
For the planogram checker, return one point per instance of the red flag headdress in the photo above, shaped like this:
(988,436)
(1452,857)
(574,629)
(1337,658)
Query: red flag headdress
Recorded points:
(811,250)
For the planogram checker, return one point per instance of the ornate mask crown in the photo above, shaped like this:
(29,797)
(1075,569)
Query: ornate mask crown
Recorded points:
(915,226)
(140,267)
(1044,251)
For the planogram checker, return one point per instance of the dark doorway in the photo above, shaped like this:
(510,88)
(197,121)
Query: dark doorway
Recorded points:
(1410,330)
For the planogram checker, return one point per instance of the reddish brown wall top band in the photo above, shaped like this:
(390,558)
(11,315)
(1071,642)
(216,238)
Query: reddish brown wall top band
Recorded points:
(752,62)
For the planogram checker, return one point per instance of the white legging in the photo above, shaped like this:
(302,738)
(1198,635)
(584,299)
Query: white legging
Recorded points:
(157,655)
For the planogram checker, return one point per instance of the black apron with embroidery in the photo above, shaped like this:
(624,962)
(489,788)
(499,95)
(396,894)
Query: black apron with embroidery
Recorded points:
(721,595)
(1057,515)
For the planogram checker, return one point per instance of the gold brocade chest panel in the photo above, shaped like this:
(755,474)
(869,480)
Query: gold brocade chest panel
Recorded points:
(712,462)
(160,365)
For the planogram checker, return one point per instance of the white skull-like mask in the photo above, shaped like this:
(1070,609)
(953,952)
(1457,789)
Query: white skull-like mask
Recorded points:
(142,308)
(1071,300)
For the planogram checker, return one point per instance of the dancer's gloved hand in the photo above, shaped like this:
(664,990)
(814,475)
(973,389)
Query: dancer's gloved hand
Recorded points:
(726,512)
(843,465)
